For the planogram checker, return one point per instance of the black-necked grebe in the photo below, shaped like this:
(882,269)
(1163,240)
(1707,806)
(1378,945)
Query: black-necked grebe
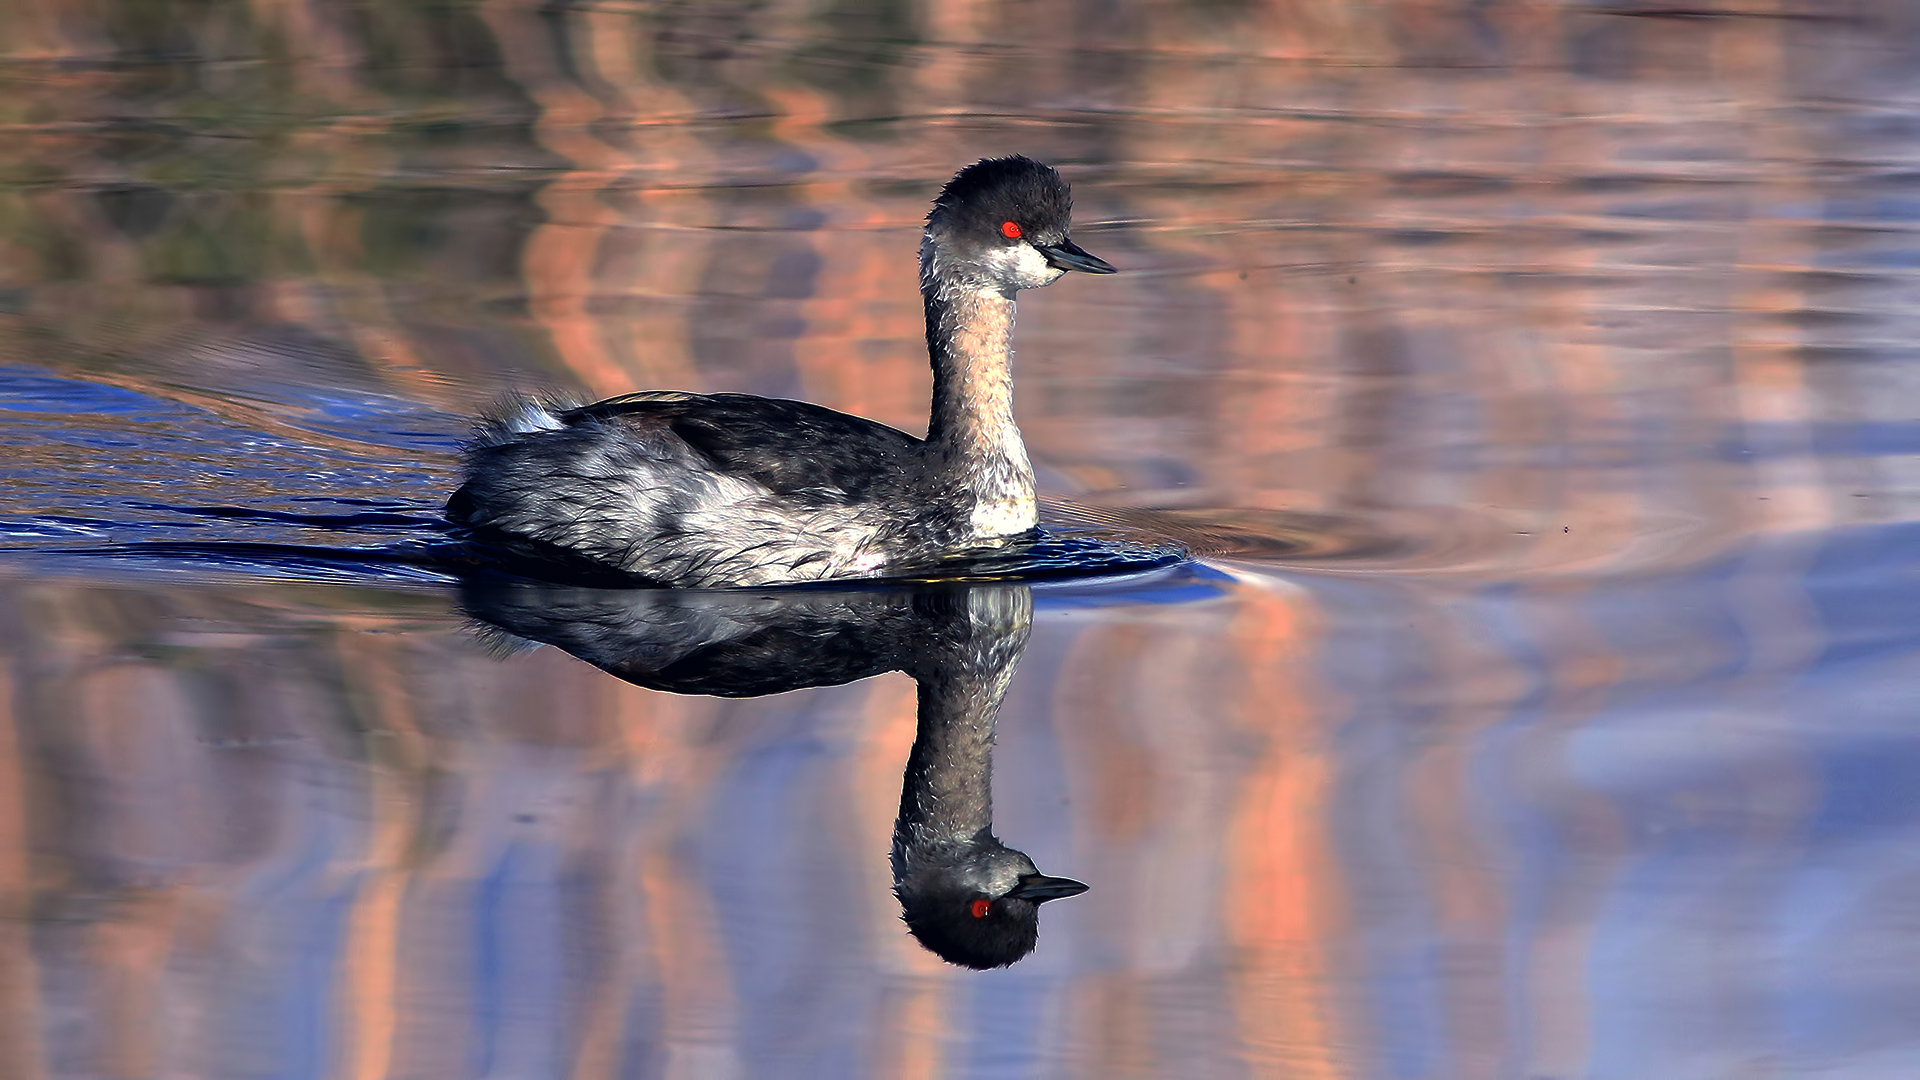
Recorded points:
(730,489)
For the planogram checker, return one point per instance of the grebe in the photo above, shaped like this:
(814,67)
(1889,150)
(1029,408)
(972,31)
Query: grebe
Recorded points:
(730,489)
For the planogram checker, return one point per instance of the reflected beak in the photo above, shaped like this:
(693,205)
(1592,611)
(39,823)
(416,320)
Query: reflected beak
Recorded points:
(1040,888)
(1067,255)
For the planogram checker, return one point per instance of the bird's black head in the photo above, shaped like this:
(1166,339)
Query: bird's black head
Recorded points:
(1003,222)
(981,909)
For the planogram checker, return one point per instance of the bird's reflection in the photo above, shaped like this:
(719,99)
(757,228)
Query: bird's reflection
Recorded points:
(964,894)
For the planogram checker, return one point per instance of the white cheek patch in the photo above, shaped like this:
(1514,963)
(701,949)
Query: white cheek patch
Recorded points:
(1021,266)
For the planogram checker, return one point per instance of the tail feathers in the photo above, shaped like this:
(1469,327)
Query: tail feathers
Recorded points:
(515,417)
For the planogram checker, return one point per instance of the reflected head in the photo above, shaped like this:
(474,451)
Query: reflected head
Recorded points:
(959,914)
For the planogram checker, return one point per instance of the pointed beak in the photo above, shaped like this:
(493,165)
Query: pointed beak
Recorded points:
(1067,255)
(1040,888)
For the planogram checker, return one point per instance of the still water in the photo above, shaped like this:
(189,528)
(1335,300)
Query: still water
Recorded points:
(1535,384)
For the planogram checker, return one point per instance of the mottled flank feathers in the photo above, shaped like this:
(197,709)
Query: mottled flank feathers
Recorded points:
(689,489)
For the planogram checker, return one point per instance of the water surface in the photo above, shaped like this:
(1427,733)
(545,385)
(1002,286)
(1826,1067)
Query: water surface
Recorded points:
(1534,384)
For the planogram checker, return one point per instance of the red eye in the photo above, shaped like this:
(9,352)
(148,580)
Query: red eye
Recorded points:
(979,908)
(1010,230)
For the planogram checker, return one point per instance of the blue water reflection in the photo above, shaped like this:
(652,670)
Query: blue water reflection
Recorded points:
(1719,819)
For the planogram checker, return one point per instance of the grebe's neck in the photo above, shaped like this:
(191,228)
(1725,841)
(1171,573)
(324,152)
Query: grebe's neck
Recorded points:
(971,434)
(946,798)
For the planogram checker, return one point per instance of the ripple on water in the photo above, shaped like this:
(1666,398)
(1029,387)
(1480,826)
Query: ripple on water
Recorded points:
(327,509)
(95,463)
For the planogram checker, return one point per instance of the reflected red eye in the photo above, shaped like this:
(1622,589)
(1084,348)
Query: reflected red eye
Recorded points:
(979,908)
(1010,230)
